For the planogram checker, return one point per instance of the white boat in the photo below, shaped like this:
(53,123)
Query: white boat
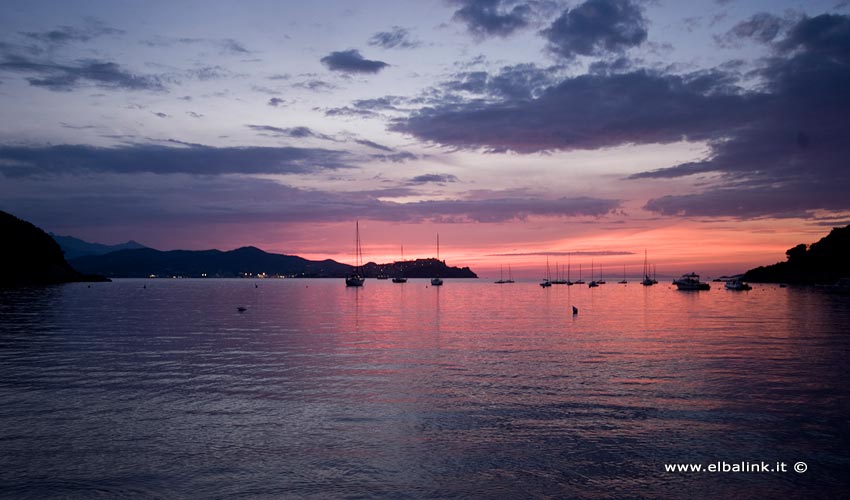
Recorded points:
(737,284)
(437,281)
(690,282)
(356,277)
(400,277)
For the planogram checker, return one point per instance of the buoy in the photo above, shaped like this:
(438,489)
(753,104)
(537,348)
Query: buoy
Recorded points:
(575,310)
(256,286)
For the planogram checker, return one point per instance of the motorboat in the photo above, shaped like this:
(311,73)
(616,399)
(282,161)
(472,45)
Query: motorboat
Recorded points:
(691,282)
(737,284)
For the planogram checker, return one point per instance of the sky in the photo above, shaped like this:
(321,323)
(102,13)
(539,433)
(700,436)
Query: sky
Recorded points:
(711,135)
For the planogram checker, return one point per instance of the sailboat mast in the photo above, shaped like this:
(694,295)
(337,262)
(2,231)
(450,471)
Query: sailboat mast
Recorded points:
(357,244)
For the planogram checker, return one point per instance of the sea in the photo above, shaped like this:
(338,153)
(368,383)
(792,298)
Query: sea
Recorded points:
(162,388)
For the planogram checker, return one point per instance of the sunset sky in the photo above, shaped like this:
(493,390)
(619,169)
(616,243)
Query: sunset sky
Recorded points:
(713,134)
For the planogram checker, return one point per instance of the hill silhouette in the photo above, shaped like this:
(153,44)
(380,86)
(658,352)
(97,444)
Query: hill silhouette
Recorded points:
(245,261)
(29,256)
(75,247)
(823,262)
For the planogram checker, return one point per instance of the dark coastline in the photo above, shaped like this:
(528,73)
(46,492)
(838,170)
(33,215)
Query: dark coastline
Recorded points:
(30,257)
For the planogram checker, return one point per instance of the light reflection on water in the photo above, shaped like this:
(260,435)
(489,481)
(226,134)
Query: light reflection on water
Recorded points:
(472,390)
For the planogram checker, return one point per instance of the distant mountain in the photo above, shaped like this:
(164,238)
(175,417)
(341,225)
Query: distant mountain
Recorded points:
(823,262)
(246,261)
(29,256)
(75,247)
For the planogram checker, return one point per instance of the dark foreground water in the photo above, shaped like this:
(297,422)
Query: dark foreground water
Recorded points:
(474,390)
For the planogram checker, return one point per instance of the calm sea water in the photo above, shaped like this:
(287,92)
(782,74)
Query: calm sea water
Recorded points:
(472,390)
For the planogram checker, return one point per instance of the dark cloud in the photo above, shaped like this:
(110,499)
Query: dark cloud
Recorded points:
(587,112)
(433,178)
(762,27)
(315,85)
(350,61)
(779,147)
(65,77)
(350,111)
(597,27)
(521,81)
(474,82)
(292,132)
(373,145)
(62,35)
(397,37)
(190,201)
(160,114)
(21,161)
(498,209)
(386,103)
(233,46)
(399,157)
(77,127)
(194,115)
(493,17)
(225,46)
(276,101)
(790,157)
(207,73)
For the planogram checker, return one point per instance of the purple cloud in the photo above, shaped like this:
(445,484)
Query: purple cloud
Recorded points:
(350,61)
(597,27)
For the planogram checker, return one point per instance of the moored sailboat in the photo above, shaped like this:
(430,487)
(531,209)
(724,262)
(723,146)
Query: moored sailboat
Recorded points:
(437,281)
(547,282)
(399,278)
(647,281)
(356,277)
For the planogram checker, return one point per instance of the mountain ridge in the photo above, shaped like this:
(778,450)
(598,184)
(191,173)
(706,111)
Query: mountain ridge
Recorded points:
(247,262)
(75,247)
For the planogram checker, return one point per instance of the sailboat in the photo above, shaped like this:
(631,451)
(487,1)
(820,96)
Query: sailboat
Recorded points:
(356,277)
(437,281)
(510,275)
(546,281)
(647,281)
(569,259)
(559,275)
(623,282)
(593,283)
(580,281)
(400,277)
(501,277)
